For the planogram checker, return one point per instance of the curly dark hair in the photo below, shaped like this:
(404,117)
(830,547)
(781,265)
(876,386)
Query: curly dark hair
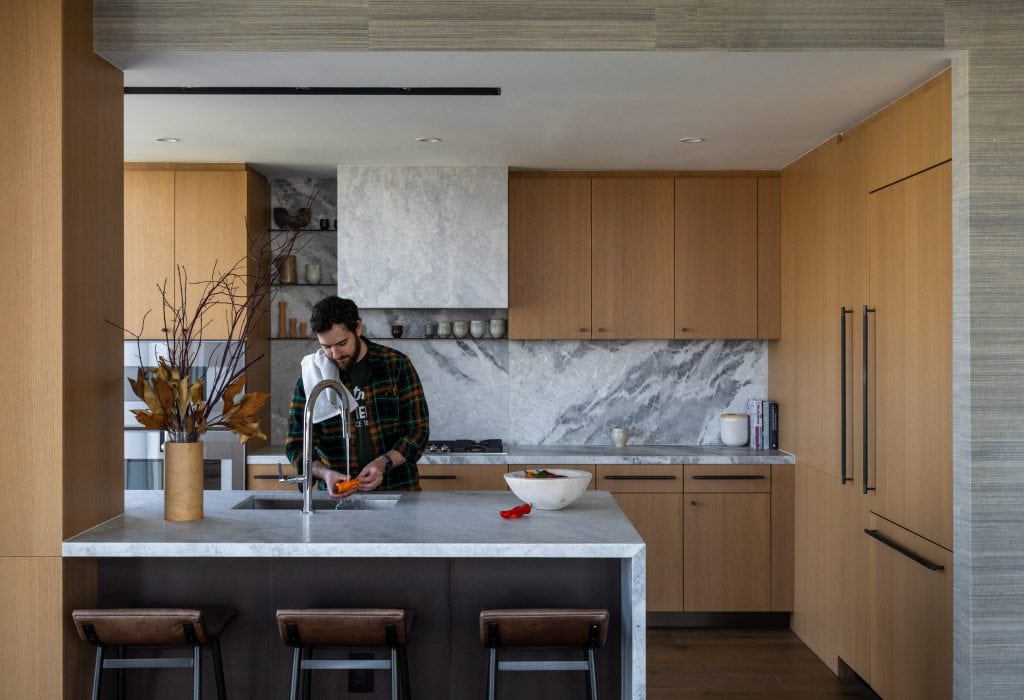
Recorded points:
(332,310)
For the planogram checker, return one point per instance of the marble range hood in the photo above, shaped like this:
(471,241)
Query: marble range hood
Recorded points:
(423,236)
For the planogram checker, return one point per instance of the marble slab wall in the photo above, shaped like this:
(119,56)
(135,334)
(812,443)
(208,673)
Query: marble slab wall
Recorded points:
(423,237)
(566,392)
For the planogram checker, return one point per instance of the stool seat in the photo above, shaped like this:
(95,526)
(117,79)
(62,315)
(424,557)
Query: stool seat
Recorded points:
(143,627)
(343,627)
(545,627)
(305,629)
(584,629)
(118,628)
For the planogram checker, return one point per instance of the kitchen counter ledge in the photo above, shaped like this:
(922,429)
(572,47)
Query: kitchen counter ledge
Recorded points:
(583,454)
(422,524)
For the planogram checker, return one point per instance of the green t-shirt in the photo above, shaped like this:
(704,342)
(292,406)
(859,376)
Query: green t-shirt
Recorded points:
(358,374)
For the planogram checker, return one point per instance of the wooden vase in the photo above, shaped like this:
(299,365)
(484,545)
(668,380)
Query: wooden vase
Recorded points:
(183,481)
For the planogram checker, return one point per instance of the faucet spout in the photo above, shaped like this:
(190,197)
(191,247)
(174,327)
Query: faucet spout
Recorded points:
(307,440)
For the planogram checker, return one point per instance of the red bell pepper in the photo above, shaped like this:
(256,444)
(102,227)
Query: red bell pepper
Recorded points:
(517,512)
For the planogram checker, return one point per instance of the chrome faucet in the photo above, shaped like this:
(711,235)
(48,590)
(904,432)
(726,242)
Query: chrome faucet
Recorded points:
(306,478)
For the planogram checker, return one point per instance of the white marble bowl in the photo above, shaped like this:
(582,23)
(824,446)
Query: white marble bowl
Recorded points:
(549,494)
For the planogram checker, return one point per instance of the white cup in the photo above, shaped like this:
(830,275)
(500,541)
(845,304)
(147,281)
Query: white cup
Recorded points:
(313,273)
(497,327)
(444,329)
(619,436)
(477,328)
(460,329)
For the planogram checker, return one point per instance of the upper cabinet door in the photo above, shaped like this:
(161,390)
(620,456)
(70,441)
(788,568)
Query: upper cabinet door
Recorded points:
(549,258)
(148,248)
(209,230)
(632,258)
(911,135)
(911,293)
(716,259)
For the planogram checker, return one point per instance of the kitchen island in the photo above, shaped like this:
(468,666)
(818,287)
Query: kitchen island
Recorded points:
(445,555)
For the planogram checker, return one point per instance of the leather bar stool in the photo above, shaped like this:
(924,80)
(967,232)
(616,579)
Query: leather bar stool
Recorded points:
(308,629)
(120,628)
(585,629)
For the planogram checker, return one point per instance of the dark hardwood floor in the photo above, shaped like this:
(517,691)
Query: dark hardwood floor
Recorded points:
(739,663)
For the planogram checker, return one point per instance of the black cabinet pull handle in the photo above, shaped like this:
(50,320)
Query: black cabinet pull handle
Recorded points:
(438,476)
(842,394)
(693,503)
(639,477)
(904,551)
(728,477)
(864,408)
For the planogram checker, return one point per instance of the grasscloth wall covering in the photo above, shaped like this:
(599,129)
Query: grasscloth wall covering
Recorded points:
(988,198)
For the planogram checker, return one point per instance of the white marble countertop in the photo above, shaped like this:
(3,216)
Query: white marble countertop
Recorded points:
(422,524)
(583,454)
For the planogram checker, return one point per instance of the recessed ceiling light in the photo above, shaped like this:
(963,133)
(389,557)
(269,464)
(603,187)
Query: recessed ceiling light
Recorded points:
(692,139)
(167,139)
(429,139)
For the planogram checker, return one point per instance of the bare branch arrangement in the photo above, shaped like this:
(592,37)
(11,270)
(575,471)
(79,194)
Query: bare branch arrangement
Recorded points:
(176,401)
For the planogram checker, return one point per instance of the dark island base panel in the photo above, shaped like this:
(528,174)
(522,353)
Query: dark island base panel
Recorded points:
(446,659)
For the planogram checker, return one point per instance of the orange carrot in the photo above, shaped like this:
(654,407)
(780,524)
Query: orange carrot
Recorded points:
(346,486)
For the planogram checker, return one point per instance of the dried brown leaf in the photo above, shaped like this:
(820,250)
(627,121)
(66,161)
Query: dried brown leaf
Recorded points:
(150,420)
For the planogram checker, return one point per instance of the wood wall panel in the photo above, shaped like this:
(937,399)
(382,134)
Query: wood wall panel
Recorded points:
(91,239)
(31,351)
(257,221)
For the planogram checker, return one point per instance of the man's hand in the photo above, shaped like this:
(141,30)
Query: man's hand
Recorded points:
(372,475)
(330,478)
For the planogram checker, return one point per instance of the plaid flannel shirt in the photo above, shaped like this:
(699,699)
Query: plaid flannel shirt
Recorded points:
(398,420)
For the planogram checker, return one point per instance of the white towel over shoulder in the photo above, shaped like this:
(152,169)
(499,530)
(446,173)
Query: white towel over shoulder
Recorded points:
(315,368)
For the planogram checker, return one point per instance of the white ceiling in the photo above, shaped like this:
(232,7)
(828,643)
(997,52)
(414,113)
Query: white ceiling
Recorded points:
(557,110)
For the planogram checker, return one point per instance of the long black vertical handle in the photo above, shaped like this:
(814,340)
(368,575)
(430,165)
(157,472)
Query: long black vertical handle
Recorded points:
(864,416)
(842,394)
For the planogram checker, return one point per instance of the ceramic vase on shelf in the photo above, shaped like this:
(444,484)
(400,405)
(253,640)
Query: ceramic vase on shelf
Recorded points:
(183,481)
(313,273)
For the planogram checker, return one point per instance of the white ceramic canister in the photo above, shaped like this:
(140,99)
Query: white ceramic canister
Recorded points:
(733,429)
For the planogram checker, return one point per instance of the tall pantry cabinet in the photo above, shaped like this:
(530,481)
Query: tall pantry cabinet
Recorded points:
(864,367)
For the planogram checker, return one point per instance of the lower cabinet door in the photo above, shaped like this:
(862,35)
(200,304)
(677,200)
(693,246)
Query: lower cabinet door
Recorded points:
(264,477)
(658,517)
(912,615)
(462,477)
(727,552)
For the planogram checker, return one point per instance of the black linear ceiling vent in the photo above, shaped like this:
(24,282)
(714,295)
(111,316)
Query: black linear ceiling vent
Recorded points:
(442,91)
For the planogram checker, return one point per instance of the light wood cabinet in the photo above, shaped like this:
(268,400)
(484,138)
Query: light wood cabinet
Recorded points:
(631,281)
(716,260)
(910,135)
(727,538)
(651,496)
(630,257)
(912,615)
(462,477)
(263,477)
(549,258)
(911,335)
(873,239)
(148,248)
(191,216)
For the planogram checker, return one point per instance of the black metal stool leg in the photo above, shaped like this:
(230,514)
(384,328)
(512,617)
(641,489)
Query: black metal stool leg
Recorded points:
(296,658)
(218,670)
(307,675)
(403,659)
(98,676)
(492,672)
(197,672)
(591,674)
(394,673)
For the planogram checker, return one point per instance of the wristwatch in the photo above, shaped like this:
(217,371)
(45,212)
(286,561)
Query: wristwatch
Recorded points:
(388,462)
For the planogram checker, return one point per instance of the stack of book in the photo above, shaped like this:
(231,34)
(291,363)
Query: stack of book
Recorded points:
(764,424)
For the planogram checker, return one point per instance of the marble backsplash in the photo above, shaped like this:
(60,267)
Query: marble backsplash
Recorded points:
(566,392)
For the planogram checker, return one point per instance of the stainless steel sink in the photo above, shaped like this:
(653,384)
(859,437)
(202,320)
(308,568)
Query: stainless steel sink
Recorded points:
(321,504)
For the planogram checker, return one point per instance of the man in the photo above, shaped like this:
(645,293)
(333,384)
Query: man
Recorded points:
(388,427)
